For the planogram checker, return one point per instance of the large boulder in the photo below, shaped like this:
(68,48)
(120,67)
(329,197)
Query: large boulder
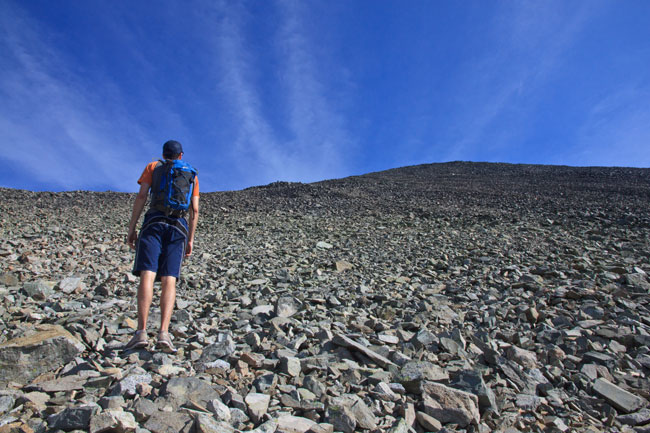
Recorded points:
(214,353)
(348,412)
(207,424)
(414,373)
(170,422)
(39,290)
(472,382)
(117,421)
(294,424)
(182,390)
(450,405)
(25,358)
(73,418)
(257,404)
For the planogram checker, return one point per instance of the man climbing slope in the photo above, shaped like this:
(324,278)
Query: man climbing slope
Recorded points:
(165,237)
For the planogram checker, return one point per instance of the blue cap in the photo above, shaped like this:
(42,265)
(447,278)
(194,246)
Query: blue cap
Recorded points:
(172,148)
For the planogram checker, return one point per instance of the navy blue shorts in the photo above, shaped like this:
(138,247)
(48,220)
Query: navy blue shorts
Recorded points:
(160,247)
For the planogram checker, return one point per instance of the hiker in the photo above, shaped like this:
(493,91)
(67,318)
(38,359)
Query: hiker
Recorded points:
(165,237)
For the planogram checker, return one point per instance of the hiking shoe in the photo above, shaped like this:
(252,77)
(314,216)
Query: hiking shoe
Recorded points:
(164,343)
(139,341)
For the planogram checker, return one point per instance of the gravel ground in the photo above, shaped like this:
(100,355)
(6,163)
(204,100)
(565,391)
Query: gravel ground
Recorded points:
(445,297)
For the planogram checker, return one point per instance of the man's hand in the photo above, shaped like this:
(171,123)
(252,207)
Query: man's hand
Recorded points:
(188,250)
(131,239)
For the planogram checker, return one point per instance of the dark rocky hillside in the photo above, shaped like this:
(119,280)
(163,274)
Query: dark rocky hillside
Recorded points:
(461,296)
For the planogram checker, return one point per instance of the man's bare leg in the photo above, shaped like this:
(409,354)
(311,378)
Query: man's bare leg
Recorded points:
(167,300)
(145,295)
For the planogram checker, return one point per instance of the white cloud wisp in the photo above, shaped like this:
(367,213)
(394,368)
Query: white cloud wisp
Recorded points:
(317,136)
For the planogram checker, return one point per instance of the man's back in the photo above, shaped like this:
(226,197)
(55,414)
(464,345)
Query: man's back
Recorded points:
(165,237)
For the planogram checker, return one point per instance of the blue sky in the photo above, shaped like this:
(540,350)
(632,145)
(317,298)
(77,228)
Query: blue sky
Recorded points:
(260,91)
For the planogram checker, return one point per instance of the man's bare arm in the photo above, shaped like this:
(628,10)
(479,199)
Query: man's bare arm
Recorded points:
(193,220)
(138,206)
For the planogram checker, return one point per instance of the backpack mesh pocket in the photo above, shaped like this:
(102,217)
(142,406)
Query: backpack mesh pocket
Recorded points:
(181,188)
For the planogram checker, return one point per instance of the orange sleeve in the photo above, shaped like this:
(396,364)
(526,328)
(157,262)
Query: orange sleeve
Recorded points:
(195,192)
(147,174)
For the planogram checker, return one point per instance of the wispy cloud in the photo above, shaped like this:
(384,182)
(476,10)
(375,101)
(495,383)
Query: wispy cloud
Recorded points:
(63,131)
(256,146)
(70,129)
(283,90)
(313,136)
(320,133)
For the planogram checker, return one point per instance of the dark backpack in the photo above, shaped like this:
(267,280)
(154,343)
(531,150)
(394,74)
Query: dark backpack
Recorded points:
(172,185)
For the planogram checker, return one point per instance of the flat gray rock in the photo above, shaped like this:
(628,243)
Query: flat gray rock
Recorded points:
(636,418)
(618,397)
(347,342)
